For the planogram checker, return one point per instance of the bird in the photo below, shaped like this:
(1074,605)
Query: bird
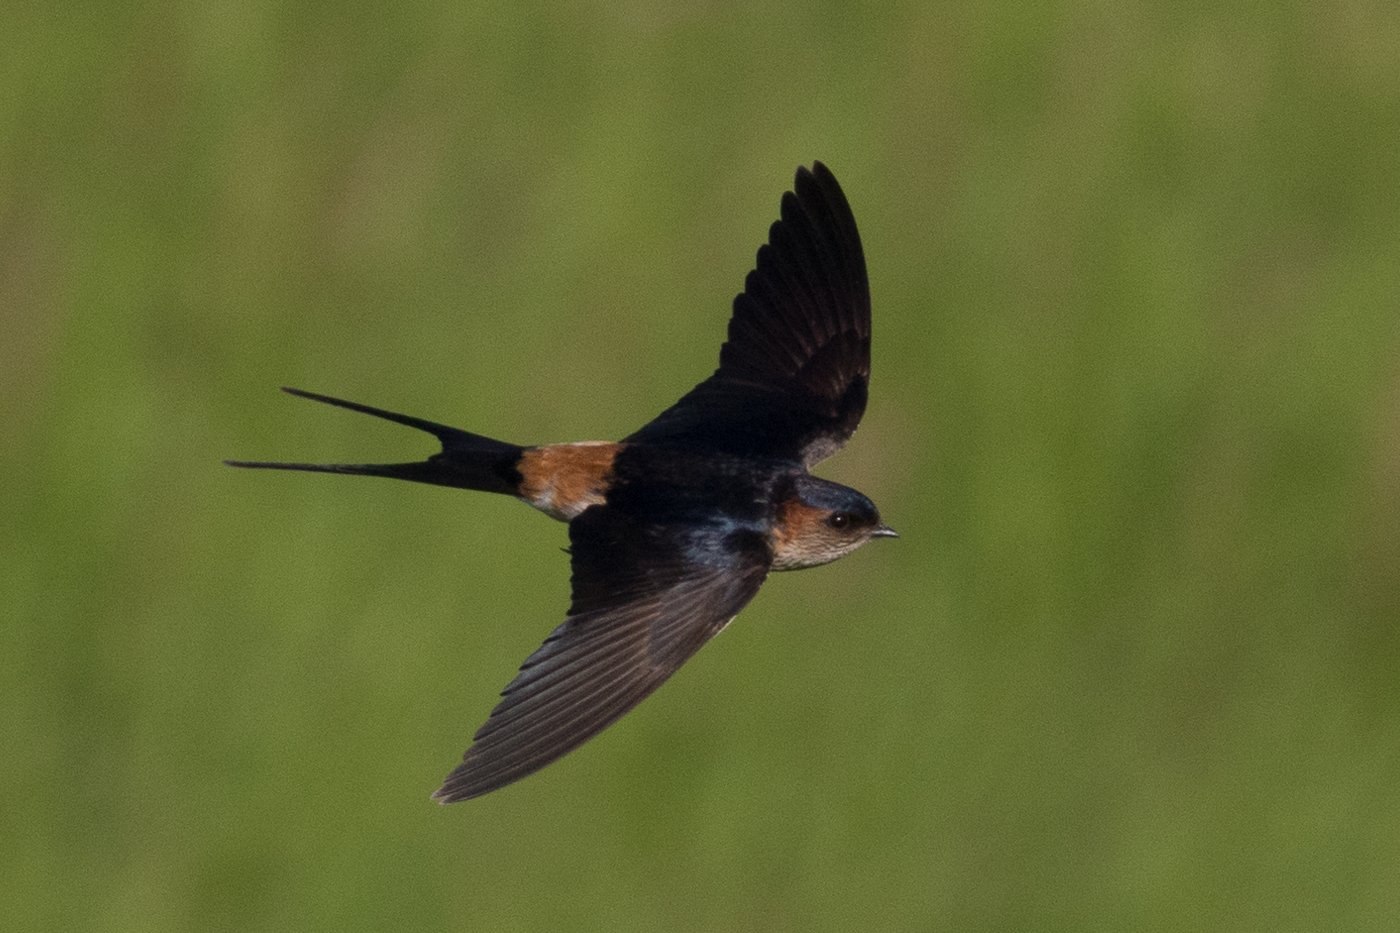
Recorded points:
(673,529)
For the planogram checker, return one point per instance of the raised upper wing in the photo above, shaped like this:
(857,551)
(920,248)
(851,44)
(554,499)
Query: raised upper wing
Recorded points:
(793,375)
(645,598)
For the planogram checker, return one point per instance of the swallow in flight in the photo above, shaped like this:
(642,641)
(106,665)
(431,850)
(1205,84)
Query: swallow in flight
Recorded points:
(673,529)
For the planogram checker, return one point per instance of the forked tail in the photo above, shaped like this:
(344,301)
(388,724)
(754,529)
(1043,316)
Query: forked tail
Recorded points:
(466,461)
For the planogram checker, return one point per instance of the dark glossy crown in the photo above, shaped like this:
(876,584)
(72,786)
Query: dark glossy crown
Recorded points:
(833,497)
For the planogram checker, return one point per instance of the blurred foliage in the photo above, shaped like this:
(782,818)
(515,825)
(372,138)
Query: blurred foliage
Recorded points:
(1136,411)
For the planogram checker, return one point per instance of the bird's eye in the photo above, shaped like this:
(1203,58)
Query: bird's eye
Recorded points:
(839,520)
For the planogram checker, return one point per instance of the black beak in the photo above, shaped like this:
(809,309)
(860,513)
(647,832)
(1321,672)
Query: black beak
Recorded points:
(884,531)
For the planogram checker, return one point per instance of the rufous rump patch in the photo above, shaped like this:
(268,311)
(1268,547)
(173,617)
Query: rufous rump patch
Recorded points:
(561,480)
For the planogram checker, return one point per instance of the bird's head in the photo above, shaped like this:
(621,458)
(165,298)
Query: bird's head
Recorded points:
(819,521)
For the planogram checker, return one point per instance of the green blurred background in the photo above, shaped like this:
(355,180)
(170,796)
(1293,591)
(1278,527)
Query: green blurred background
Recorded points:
(1136,410)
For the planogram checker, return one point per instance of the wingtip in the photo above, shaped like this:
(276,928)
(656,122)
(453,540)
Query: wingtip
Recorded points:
(818,172)
(459,786)
(451,793)
(818,184)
